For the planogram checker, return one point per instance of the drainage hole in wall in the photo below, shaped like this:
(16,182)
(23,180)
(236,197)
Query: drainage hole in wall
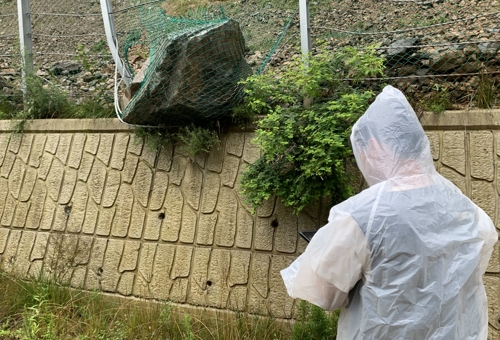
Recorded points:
(99,271)
(274,223)
(67,209)
(161,216)
(209,283)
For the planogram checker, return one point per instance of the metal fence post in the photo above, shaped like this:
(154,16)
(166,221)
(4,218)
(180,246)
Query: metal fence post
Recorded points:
(25,39)
(305,39)
(109,26)
(305,28)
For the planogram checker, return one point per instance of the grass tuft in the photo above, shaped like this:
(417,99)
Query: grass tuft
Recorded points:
(46,101)
(314,323)
(438,100)
(485,97)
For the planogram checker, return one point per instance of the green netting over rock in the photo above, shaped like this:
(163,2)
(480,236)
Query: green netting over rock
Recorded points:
(192,74)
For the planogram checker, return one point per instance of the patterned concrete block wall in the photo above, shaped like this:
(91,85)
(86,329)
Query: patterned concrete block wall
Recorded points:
(89,203)
(101,210)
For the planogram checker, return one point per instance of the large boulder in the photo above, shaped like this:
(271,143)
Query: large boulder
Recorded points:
(191,78)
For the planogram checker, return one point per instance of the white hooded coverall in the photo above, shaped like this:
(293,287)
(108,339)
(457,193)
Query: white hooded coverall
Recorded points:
(405,257)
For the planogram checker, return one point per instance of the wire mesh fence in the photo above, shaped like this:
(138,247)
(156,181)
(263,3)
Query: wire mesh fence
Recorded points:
(444,54)
(69,48)
(9,50)
(188,60)
(261,21)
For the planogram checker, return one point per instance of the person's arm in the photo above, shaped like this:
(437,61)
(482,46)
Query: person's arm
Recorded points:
(331,265)
(488,233)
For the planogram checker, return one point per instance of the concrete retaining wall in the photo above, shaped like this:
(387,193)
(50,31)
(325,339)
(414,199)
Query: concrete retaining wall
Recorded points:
(88,203)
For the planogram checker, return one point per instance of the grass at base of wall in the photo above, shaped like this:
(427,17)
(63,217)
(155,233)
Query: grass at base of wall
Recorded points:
(41,309)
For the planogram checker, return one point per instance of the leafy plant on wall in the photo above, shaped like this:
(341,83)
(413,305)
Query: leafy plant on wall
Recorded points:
(305,148)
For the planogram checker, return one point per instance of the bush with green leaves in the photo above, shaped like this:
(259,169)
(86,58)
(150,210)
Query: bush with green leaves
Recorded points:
(9,107)
(46,100)
(305,148)
(438,100)
(313,323)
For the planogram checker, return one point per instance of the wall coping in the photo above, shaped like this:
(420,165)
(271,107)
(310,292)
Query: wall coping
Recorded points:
(462,120)
(448,120)
(68,125)
(88,125)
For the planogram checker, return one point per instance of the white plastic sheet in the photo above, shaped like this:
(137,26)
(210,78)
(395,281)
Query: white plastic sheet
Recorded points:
(404,259)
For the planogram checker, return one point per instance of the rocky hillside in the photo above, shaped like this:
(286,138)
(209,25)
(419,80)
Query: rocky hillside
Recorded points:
(448,47)
(434,49)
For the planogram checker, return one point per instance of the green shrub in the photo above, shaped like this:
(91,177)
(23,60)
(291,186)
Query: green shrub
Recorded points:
(313,323)
(155,138)
(486,93)
(8,108)
(46,100)
(305,148)
(196,139)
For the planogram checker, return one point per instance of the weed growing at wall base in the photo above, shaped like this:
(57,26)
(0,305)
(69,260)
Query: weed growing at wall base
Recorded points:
(314,323)
(42,309)
(437,101)
(485,96)
(9,108)
(193,139)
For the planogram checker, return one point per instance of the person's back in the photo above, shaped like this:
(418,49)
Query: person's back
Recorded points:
(405,257)
(423,280)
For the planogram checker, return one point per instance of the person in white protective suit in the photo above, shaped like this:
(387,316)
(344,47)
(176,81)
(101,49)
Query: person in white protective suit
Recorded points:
(404,259)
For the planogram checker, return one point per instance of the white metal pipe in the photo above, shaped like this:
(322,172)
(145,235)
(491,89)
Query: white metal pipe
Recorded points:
(109,27)
(305,28)
(305,39)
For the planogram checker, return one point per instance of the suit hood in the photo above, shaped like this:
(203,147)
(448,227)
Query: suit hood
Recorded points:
(388,141)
